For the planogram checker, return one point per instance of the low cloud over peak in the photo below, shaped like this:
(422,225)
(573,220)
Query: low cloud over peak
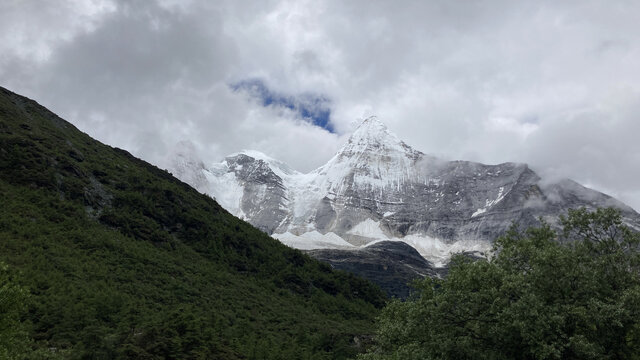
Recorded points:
(554,84)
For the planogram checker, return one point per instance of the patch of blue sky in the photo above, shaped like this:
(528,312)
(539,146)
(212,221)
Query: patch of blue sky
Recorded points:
(310,107)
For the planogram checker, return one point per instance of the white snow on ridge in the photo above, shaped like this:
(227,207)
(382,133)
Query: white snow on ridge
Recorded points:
(375,157)
(432,249)
(227,191)
(478,212)
(313,240)
(488,203)
(497,199)
(368,228)
(280,168)
(439,252)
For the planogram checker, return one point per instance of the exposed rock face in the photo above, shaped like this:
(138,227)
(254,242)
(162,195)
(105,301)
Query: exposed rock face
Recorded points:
(390,264)
(377,187)
(264,197)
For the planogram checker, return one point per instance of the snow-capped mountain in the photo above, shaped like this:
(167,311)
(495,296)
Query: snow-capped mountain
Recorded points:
(379,188)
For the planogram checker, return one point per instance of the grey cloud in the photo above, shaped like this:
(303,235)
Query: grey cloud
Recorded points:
(555,84)
(139,50)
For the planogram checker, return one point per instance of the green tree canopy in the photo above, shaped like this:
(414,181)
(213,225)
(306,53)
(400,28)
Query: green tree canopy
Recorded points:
(14,340)
(572,295)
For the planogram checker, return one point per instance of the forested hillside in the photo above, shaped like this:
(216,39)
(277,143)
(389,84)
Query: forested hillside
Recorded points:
(118,259)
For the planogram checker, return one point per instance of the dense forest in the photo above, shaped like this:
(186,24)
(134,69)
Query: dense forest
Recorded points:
(105,256)
(543,295)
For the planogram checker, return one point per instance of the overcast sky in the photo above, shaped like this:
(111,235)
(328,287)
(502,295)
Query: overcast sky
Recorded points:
(555,84)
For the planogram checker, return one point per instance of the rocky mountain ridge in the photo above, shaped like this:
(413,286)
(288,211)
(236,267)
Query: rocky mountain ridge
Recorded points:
(377,188)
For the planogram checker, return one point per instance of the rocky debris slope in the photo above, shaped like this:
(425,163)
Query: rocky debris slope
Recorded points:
(390,264)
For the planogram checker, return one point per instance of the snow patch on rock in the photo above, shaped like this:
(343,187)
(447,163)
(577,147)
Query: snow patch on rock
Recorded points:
(478,212)
(313,240)
(370,229)
(227,190)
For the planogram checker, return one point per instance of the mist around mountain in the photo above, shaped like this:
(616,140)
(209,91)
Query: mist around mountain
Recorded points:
(378,188)
(113,258)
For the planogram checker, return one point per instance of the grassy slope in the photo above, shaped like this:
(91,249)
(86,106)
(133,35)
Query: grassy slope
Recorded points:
(123,260)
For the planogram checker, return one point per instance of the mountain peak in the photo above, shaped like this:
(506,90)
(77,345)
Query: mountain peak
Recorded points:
(278,167)
(373,157)
(373,137)
(372,122)
(371,128)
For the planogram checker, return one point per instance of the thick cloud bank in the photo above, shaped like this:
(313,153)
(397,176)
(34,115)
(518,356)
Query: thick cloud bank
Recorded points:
(553,84)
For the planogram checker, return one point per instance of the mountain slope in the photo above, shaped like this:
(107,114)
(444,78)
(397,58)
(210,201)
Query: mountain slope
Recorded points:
(124,261)
(378,188)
